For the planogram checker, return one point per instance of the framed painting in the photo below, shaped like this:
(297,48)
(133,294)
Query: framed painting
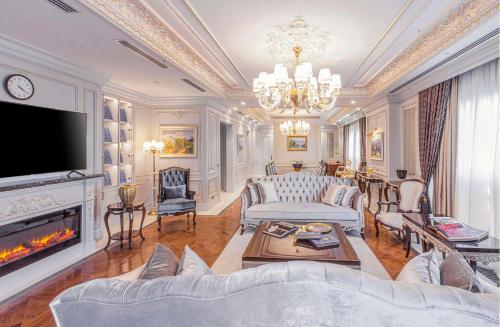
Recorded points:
(377,146)
(240,143)
(296,143)
(179,141)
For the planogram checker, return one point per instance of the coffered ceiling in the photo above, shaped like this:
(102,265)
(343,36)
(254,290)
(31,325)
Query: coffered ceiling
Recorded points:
(220,44)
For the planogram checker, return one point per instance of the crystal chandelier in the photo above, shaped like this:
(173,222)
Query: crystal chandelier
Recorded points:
(295,128)
(276,91)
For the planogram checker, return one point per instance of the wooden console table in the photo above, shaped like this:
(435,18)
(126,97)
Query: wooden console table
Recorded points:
(484,251)
(365,183)
(119,209)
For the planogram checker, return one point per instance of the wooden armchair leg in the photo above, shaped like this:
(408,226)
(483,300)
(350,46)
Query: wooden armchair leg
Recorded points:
(376,228)
(194,218)
(158,219)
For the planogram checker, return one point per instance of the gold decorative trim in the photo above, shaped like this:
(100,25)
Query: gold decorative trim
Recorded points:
(139,22)
(443,34)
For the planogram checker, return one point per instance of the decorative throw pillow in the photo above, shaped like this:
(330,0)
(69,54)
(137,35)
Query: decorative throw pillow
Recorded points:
(192,264)
(348,196)
(267,192)
(162,262)
(333,195)
(254,193)
(424,268)
(456,272)
(174,192)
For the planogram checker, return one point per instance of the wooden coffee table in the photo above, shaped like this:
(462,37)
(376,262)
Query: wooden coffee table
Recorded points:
(264,249)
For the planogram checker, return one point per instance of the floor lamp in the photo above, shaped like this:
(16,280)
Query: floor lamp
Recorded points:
(153,147)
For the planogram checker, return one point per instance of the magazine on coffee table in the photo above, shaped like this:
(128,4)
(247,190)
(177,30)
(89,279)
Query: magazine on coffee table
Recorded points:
(281,229)
(454,231)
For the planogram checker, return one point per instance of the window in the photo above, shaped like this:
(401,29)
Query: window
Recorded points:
(477,191)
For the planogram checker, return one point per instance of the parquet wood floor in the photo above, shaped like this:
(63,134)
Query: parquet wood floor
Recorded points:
(208,240)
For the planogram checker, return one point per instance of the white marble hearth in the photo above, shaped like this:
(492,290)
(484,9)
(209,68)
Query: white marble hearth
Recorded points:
(21,204)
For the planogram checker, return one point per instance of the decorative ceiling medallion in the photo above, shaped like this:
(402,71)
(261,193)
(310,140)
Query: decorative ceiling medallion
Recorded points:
(455,25)
(312,39)
(139,22)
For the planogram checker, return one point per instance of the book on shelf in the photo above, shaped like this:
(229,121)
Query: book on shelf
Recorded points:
(123,135)
(123,176)
(107,136)
(108,114)
(123,115)
(107,157)
(107,179)
(280,229)
(455,231)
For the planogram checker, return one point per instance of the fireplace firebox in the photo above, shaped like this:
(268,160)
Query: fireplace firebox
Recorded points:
(24,242)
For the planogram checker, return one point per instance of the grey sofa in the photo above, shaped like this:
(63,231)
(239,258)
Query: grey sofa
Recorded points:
(300,199)
(298,293)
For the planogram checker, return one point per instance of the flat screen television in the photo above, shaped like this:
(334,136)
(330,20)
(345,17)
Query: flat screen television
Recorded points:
(36,140)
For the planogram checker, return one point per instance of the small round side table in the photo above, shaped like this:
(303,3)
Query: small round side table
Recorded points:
(119,209)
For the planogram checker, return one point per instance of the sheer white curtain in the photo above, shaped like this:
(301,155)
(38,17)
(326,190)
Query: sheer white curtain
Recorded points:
(477,191)
(353,150)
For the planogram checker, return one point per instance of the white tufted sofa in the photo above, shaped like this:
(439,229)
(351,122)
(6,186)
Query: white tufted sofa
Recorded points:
(300,200)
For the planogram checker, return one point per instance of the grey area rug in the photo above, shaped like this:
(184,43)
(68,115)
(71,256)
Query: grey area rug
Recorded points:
(230,259)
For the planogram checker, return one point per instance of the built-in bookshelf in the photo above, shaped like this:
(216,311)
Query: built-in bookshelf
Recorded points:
(117,142)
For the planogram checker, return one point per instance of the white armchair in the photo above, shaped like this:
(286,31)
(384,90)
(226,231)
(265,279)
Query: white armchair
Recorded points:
(411,193)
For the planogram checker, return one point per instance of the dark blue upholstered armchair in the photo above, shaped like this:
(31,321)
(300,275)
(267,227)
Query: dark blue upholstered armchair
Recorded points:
(173,198)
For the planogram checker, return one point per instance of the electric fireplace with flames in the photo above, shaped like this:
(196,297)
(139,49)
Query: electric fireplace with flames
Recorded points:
(30,240)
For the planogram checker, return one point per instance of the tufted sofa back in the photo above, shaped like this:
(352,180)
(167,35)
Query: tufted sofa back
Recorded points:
(302,186)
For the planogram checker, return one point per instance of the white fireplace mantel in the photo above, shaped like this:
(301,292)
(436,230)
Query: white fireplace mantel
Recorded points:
(25,203)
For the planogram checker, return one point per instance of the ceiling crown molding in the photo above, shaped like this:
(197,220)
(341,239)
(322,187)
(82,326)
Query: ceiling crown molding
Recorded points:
(442,35)
(134,18)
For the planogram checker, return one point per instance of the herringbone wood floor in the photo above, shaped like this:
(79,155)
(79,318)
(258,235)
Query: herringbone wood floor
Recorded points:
(208,240)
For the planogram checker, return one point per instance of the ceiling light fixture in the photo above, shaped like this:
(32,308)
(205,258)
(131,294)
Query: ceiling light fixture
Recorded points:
(243,103)
(353,102)
(275,91)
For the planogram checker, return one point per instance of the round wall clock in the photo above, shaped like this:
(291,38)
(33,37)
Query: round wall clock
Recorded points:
(19,87)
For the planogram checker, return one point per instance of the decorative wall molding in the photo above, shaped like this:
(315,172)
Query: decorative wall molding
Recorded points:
(442,35)
(30,203)
(139,22)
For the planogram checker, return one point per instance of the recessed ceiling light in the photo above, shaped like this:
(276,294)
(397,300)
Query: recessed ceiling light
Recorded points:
(353,102)
(243,103)
(235,108)
(358,108)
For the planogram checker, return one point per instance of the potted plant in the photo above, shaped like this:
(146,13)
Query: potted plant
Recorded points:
(297,165)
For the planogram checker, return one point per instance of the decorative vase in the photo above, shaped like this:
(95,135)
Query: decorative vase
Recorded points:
(127,194)
(401,173)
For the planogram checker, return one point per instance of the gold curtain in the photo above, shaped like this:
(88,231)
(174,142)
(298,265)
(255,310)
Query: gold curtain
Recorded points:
(444,176)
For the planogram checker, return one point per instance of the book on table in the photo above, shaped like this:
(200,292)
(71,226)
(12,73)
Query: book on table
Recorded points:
(326,241)
(281,229)
(455,231)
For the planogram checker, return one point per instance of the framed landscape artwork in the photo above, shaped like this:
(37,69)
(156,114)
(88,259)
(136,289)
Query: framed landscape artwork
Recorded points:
(240,142)
(296,143)
(179,141)
(377,146)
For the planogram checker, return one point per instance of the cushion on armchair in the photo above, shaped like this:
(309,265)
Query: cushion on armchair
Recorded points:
(173,205)
(174,192)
